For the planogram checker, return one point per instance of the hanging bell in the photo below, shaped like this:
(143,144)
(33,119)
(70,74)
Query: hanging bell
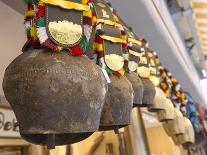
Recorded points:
(168,113)
(57,98)
(137,87)
(118,104)
(176,126)
(159,101)
(188,138)
(149,93)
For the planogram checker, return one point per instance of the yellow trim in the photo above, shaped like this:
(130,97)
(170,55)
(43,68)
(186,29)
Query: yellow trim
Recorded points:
(67,4)
(203,32)
(203,39)
(201,24)
(204,44)
(136,53)
(121,71)
(108,22)
(201,15)
(126,28)
(200,5)
(113,39)
(134,41)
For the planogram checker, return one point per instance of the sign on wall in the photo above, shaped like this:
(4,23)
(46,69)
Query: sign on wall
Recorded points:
(7,124)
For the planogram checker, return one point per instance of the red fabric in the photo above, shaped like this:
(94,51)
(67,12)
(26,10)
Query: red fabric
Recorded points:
(30,7)
(123,33)
(93,14)
(49,44)
(124,46)
(100,55)
(76,50)
(41,11)
(98,39)
(87,21)
(34,43)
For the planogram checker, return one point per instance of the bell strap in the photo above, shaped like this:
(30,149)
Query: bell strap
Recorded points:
(132,40)
(108,22)
(112,39)
(67,5)
(136,53)
(153,71)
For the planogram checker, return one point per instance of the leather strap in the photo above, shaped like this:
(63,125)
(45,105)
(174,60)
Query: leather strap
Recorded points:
(57,14)
(67,4)
(112,41)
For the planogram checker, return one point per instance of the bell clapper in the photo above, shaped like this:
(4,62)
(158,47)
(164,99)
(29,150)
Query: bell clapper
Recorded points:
(50,141)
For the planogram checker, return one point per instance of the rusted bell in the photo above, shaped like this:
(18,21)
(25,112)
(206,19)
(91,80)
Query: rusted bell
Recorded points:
(168,113)
(149,93)
(118,105)
(159,101)
(57,98)
(175,126)
(188,138)
(137,87)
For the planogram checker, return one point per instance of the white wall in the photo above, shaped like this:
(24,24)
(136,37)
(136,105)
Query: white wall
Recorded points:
(12,37)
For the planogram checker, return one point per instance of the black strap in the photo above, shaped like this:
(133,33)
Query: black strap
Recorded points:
(55,14)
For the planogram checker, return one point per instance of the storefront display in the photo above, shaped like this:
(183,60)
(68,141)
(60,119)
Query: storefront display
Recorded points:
(82,71)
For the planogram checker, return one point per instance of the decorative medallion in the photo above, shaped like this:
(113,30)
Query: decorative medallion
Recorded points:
(114,61)
(154,74)
(65,32)
(143,70)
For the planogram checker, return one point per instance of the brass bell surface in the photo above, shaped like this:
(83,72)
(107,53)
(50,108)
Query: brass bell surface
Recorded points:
(166,128)
(55,96)
(175,126)
(149,92)
(118,104)
(159,101)
(168,113)
(176,140)
(137,87)
(188,138)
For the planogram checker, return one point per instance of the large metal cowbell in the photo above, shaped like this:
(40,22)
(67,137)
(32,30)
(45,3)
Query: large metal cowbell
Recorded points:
(57,98)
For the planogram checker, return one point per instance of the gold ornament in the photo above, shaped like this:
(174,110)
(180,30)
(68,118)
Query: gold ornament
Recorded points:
(143,70)
(65,32)
(114,62)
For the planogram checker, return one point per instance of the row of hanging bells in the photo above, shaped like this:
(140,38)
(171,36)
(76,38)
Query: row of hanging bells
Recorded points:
(57,87)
